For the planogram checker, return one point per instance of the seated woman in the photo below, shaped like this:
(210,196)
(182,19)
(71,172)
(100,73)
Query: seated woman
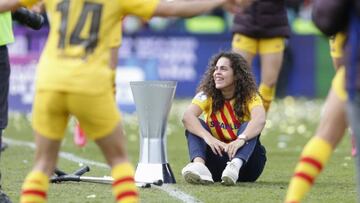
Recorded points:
(225,146)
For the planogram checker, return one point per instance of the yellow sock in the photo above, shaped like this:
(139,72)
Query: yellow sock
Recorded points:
(35,188)
(124,188)
(267,93)
(313,158)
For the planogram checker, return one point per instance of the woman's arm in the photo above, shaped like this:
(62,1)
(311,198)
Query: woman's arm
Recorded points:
(9,5)
(181,8)
(192,124)
(253,129)
(191,120)
(256,124)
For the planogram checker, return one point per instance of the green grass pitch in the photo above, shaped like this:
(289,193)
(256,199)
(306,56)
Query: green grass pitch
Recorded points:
(290,124)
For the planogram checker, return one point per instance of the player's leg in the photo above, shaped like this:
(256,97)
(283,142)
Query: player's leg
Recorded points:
(49,122)
(318,150)
(248,163)
(113,148)
(245,46)
(336,43)
(4,90)
(100,119)
(271,57)
(36,183)
(196,172)
(4,86)
(230,175)
(254,167)
(353,108)
(3,197)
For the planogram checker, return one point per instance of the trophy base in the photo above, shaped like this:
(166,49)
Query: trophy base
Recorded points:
(150,173)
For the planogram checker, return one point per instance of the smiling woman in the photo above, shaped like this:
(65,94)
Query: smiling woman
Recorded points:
(224,77)
(225,146)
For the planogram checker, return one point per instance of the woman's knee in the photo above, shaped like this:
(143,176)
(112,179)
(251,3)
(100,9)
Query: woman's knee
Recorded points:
(252,170)
(242,127)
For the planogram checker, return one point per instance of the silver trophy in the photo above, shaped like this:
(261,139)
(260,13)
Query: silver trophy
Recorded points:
(153,101)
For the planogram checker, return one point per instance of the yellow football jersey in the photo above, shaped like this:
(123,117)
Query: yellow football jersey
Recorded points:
(77,52)
(117,36)
(224,124)
(337,45)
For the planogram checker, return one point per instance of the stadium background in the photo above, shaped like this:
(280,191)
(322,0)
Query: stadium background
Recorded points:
(179,50)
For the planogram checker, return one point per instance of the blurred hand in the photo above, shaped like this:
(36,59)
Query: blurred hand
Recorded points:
(38,7)
(244,3)
(216,145)
(233,146)
(234,6)
(231,6)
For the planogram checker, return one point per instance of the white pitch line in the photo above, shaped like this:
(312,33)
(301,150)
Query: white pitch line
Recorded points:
(176,193)
(168,188)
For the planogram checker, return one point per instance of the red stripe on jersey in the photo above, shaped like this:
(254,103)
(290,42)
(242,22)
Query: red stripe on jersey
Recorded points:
(223,117)
(125,194)
(305,176)
(122,180)
(231,112)
(312,162)
(217,127)
(34,192)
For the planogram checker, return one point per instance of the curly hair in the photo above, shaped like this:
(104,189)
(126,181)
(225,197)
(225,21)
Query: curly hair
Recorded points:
(245,86)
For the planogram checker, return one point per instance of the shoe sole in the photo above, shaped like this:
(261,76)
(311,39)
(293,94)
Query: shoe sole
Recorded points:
(194,178)
(227,181)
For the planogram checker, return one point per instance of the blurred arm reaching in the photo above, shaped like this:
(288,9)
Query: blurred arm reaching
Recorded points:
(191,8)
(7,5)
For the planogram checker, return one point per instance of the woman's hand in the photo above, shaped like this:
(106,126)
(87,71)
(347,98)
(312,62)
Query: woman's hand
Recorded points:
(233,146)
(216,145)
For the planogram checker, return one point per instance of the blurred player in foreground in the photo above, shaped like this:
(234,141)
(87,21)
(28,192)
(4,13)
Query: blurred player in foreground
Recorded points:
(318,150)
(333,122)
(337,44)
(74,78)
(79,134)
(6,37)
(353,79)
(32,20)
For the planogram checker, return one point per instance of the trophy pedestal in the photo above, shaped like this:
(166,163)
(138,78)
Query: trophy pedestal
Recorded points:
(149,173)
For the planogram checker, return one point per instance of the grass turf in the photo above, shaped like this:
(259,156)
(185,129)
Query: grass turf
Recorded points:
(290,124)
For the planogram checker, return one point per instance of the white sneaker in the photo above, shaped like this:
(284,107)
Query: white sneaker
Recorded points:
(230,174)
(197,173)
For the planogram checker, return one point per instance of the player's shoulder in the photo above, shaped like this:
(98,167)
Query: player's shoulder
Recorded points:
(201,96)
(254,98)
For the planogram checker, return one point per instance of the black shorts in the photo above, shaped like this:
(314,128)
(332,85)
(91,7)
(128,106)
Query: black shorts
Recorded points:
(4,86)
